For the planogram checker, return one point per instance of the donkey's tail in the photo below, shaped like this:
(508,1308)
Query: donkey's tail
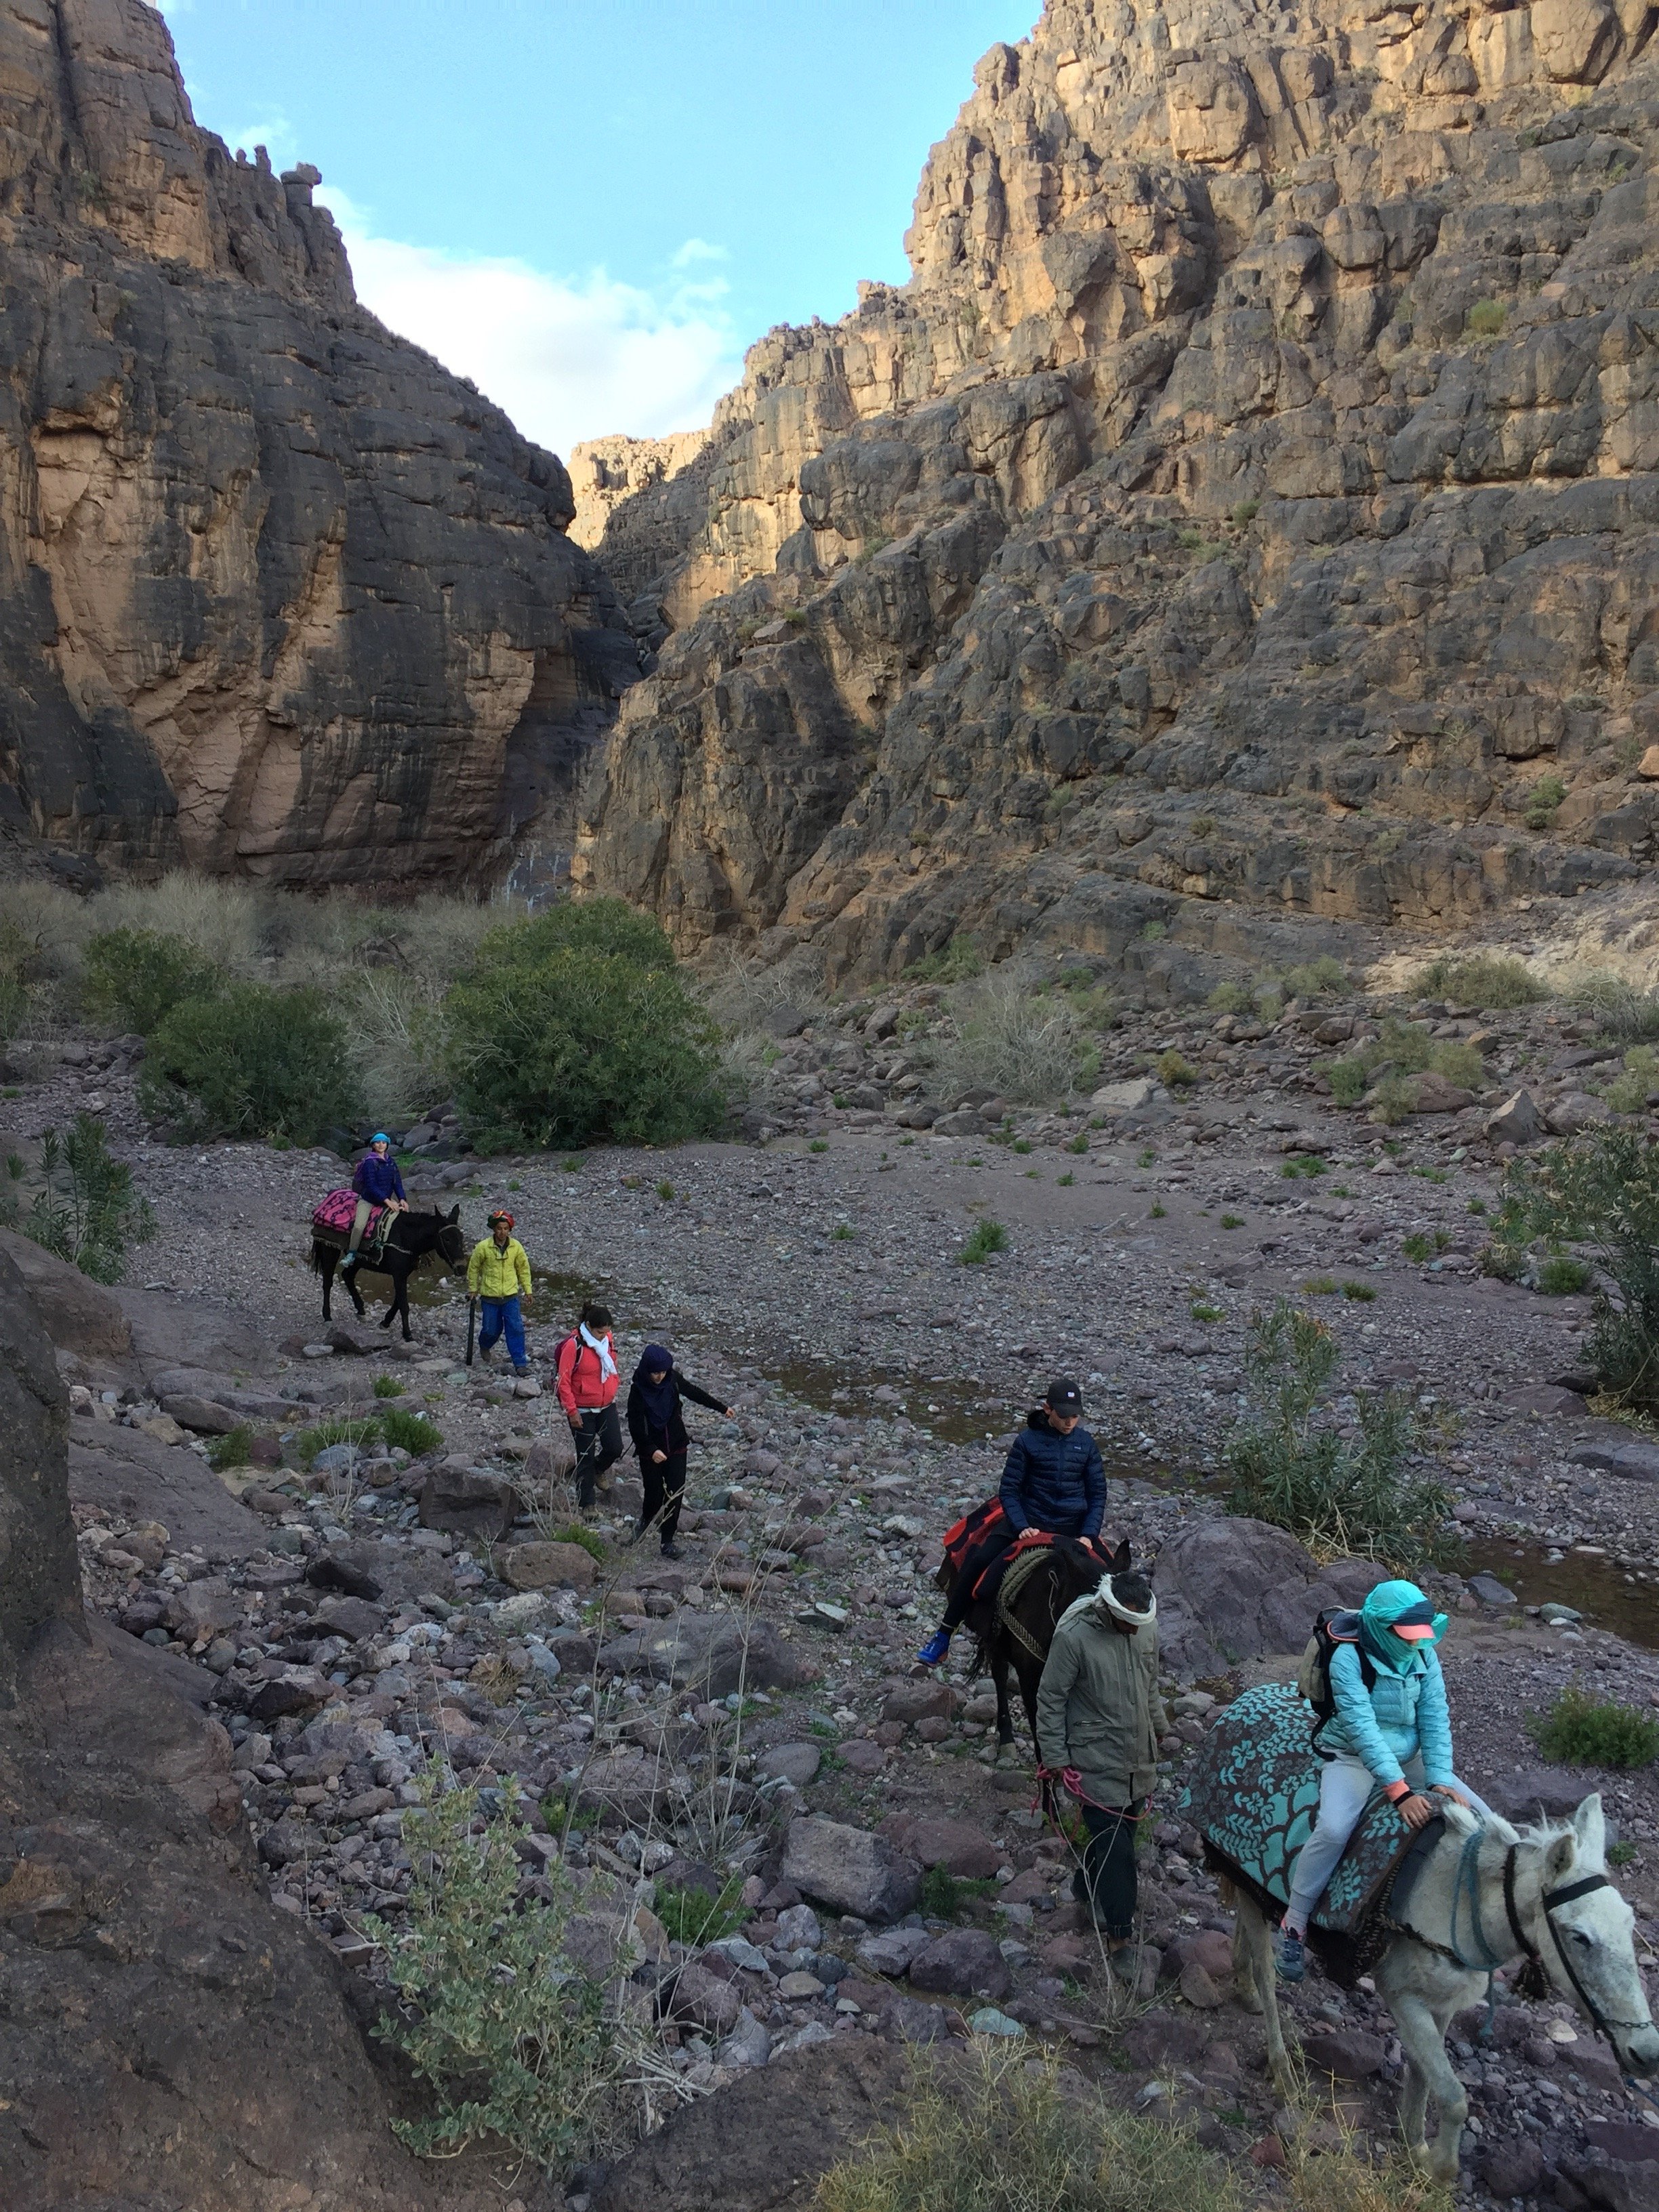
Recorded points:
(320,1253)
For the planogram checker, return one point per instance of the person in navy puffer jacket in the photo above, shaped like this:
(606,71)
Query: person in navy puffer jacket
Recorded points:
(1053,1481)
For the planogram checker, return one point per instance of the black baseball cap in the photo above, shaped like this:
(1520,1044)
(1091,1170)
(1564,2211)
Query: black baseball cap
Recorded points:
(1064,1398)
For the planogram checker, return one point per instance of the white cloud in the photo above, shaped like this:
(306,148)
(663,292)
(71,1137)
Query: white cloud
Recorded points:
(568,357)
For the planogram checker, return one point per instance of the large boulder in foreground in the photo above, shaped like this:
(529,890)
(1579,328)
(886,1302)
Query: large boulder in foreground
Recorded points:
(762,2143)
(39,1571)
(1230,1589)
(77,1314)
(850,1868)
(713,1652)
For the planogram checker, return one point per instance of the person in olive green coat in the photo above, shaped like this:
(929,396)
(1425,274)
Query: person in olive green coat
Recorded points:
(1099,1716)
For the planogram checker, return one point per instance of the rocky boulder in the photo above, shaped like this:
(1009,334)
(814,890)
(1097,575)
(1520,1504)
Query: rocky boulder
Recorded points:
(964,1962)
(547,1566)
(850,1868)
(1230,1589)
(714,1653)
(39,1571)
(467,1502)
(77,1314)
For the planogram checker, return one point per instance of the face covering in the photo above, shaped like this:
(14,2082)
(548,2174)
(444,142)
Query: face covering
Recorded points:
(1386,1603)
(658,1396)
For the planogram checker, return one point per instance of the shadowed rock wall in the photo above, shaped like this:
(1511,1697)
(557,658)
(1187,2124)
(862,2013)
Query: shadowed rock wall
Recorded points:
(278,595)
(1246,513)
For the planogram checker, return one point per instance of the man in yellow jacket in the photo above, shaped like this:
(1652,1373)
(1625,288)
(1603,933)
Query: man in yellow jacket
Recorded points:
(498,1276)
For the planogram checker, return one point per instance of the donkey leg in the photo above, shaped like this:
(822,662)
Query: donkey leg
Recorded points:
(1244,1986)
(1250,1927)
(328,1284)
(1429,2073)
(1005,1717)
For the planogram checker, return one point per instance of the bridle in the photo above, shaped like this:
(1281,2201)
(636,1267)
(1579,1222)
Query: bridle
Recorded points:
(1466,1892)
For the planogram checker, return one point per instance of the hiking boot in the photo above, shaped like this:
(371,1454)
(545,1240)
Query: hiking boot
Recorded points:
(934,1650)
(670,1550)
(521,1371)
(1291,1958)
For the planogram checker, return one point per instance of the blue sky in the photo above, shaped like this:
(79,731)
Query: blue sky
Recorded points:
(590,207)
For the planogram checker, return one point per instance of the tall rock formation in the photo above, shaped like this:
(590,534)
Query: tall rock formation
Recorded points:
(277,593)
(1246,512)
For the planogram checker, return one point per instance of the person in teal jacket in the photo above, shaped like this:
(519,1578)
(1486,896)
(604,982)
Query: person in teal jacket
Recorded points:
(1394,1736)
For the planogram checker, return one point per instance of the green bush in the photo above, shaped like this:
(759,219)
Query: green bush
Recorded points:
(387,1386)
(1175,1072)
(250,1062)
(563,1039)
(1007,2132)
(1487,318)
(138,976)
(86,1211)
(410,1432)
(576,1532)
(1542,800)
(1578,1730)
(1348,1081)
(692,1917)
(1483,979)
(959,963)
(362,1429)
(1316,979)
(512,2041)
(1600,1188)
(1560,1277)
(1628,1015)
(983,1238)
(233,1449)
(1288,1464)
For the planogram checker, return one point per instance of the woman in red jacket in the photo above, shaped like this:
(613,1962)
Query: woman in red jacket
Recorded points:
(586,1378)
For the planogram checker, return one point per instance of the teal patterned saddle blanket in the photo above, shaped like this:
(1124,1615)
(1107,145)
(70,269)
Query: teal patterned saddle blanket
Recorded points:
(1254,1797)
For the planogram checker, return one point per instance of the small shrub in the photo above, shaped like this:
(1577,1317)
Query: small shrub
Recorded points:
(1202,1310)
(1629,1016)
(511,2040)
(387,1386)
(1009,2134)
(1348,1081)
(842,1233)
(1483,979)
(1304,1165)
(1246,512)
(576,1532)
(1620,1854)
(250,1062)
(1600,1188)
(1158,1212)
(959,962)
(1065,1181)
(412,1432)
(693,1918)
(1022,1145)
(1232,1221)
(1578,1730)
(233,1449)
(1080,1143)
(1542,801)
(1361,1293)
(86,1211)
(1175,1072)
(665,1189)
(821,1145)
(138,976)
(1288,1464)
(941,1894)
(1321,1286)
(1316,979)
(1487,318)
(1560,1277)
(984,1238)
(1146,1157)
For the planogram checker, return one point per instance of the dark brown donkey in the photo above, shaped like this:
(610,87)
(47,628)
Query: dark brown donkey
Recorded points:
(1067,1571)
(411,1238)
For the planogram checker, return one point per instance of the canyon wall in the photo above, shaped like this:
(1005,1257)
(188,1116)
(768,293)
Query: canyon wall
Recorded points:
(278,595)
(1245,515)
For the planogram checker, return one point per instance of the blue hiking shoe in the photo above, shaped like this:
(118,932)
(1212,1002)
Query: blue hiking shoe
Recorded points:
(935,1648)
(1292,1957)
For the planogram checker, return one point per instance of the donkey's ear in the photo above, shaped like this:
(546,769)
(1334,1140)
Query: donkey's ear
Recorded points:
(1120,1558)
(453,1216)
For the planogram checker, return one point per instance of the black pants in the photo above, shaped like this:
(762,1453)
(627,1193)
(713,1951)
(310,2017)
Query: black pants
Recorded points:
(598,1446)
(991,1550)
(664,1491)
(1106,1881)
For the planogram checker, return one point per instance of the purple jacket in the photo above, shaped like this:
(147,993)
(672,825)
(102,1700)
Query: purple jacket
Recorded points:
(377,1179)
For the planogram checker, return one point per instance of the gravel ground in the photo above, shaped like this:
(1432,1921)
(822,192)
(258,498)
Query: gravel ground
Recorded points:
(876,1380)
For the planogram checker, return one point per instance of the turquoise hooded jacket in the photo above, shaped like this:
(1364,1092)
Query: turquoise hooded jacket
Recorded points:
(1403,1715)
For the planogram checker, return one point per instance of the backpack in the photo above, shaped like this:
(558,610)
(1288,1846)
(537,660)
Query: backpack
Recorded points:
(1313,1680)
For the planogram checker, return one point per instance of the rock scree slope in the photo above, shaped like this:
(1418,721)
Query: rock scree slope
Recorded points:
(279,594)
(1245,513)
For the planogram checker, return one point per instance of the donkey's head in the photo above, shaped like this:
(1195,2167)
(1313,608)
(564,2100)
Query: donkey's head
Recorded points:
(1586,1936)
(452,1245)
(1131,1586)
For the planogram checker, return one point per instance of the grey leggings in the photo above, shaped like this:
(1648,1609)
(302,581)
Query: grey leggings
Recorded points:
(1344,1789)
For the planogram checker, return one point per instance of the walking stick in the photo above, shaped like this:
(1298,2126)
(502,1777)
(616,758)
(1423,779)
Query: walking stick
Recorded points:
(471,1327)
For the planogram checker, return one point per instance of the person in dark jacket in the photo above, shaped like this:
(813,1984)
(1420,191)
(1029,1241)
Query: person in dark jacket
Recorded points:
(1053,1481)
(658,1428)
(378,1182)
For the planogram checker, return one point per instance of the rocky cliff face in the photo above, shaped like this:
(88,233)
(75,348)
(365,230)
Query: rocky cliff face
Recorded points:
(277,594)
(1246,512)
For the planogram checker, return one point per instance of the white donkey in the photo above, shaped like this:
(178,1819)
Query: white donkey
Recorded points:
(1485,1896)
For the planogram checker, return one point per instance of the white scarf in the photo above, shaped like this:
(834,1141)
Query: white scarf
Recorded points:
(1103,1600)
(602,1346)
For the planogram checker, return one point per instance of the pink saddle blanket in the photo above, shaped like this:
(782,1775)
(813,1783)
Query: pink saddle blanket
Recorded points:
(335,1214)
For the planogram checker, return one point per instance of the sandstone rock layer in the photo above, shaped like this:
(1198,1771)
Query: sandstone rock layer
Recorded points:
(278,595)
(1246,512)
